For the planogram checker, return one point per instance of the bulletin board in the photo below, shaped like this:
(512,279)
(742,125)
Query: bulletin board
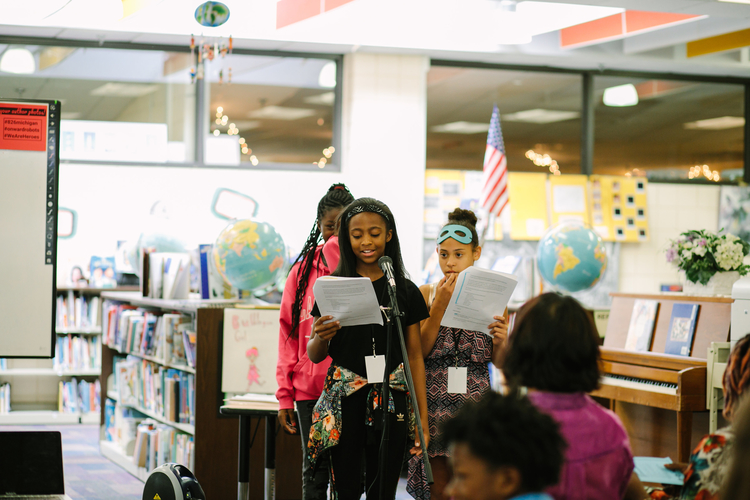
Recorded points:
(619,208)
(250,350)
(528,210)
(29,146)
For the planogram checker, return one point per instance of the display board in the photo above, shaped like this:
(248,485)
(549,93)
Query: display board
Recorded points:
(250,350)
(29,146)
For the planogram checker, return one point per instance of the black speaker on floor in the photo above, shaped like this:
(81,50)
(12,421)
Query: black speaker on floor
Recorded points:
(172,482)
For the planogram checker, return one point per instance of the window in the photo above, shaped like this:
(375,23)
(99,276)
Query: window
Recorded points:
(276,110)
(539,115)
(117,105)
(664,129)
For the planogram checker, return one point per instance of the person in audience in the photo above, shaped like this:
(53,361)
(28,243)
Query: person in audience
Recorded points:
(444,347)
(502,447)
(298,379)
(710,461)
(553,351)
(737,482)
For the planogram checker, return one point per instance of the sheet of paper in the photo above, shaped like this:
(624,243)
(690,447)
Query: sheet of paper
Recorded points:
(457,379)
(351,301)
(652,470)
(478,297)
(569,199)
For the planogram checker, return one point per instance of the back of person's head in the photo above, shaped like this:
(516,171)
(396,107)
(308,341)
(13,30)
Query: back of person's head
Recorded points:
(347,261)
(736,484)
(736,375)
(553,347)
(466,218)
(521,448)
(336,198)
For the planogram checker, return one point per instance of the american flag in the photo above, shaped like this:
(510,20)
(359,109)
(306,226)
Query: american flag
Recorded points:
(495,188)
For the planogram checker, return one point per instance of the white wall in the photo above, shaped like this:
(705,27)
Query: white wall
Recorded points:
(673,208)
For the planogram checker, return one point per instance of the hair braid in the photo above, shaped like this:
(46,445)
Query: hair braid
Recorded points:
(338,196)
(736,375)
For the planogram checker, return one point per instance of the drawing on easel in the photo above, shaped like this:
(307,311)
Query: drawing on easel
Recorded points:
(253,377)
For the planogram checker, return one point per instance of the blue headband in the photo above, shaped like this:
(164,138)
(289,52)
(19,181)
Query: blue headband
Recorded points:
(460,233)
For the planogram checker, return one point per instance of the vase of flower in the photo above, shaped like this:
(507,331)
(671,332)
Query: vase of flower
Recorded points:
(709,263)
(719,284)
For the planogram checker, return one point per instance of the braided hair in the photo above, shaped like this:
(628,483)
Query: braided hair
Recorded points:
(468,219)
(737,375)
(338,196)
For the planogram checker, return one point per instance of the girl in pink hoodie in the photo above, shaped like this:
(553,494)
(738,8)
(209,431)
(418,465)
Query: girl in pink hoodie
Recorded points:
(300,380)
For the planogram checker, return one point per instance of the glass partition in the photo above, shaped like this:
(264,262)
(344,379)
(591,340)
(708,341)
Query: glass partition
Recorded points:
(540,114)
(667,129)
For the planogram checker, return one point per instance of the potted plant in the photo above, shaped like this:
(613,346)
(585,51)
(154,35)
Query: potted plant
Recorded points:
(711,262)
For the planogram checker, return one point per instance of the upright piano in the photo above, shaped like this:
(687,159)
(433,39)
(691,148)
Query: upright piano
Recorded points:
(647,381)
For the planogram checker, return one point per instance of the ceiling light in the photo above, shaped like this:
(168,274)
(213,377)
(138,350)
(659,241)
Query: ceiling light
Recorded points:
(281,113)
(17,60)
(735,1)
(621,95)
(540,116)
(325,99)
(722,123)
(124,90)
(461,128)
(327,76)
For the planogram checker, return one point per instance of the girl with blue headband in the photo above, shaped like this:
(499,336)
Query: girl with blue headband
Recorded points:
(452,353)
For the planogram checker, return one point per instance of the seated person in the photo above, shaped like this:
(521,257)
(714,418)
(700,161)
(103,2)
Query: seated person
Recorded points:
(553,351)
(502,447)
(709,463)
(737,482)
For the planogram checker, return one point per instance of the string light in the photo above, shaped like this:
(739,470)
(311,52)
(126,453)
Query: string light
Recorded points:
(704,170)
(543,160)
(327,153)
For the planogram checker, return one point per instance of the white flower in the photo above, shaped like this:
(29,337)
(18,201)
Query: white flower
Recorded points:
(686,254)
(731,237)
(688,244)
(699,251)
(729,255)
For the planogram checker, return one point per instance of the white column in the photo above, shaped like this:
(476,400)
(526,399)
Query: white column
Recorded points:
(383,139)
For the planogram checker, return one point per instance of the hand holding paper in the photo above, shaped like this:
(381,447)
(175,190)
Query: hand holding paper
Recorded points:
(479,296)
(350,301)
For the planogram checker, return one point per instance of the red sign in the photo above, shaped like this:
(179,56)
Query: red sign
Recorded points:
(23,127)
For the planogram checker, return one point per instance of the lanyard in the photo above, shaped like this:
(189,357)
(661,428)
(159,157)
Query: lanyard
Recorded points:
(457,341)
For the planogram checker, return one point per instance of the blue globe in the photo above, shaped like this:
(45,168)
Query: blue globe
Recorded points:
(571,257)
(249,255)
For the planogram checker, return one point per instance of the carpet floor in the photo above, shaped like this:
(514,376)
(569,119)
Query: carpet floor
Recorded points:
(90,476)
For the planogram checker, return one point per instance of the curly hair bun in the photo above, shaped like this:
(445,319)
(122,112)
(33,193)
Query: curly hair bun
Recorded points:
(339,186)
(462,215)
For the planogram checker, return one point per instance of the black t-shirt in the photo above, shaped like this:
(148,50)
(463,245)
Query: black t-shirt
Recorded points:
(352,343)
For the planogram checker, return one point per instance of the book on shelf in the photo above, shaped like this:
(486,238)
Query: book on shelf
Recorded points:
(189,339)
(681,329)
(73,352)
(79,396)
(4,398)
(253,401)
(166,392)
(77,311)
(641,326)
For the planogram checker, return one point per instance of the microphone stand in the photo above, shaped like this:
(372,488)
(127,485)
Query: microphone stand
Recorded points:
(393,314)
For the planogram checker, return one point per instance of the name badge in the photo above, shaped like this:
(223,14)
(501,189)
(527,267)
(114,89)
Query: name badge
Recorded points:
(457,378)
(375,366)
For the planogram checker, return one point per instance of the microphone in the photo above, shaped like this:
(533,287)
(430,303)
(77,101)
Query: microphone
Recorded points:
(386,265)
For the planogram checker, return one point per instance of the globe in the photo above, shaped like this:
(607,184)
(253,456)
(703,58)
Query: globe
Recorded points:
(249,255)
(571,257)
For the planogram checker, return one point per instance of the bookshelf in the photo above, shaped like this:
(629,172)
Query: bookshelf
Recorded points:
(204,429)
(36,395)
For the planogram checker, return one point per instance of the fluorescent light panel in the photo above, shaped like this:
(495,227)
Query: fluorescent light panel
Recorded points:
(325,99)
(721,123)
(540,116)
(461,128)
(621,96)
(281,113)
(124,90)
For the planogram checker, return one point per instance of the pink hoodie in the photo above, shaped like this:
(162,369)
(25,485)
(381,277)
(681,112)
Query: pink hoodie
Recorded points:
(300,379)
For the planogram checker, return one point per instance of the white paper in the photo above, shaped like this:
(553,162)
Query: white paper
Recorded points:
(374,366)
(351,301)
(652,470)
(457,379)
(479,296)
(569,199)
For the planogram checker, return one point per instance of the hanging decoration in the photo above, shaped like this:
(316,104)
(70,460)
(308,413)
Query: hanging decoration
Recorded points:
(210,14)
